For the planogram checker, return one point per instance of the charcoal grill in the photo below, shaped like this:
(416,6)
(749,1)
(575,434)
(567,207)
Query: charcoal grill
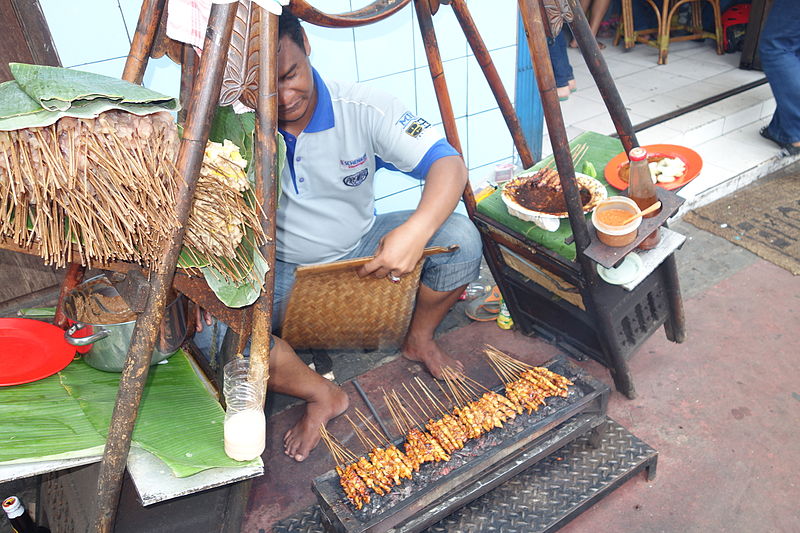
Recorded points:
(438,489)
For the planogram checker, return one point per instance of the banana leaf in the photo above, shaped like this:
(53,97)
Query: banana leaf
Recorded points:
(39,422)
(179,421)
(238,128)
(239,294)
(19,109)
(58,89)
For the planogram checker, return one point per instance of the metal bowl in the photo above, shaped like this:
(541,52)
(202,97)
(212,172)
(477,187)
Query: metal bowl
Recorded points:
(109,342)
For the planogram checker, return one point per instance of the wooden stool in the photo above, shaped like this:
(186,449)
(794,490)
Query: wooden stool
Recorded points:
(663,33)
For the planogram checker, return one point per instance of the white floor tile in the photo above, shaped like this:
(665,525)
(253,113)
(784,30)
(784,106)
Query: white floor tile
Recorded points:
(697,91)
(768,108)
(578,108)
(654,80)
(763,92)
(749,135)
(743,117)
(737,77)
(701,134)
(603,123)
(658,134)
(734,104)
(620,68)
(642,55)
(696,119)
(732,155)
(656,105)
(710,176)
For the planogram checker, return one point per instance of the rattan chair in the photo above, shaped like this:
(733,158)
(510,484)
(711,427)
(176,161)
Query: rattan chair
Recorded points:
(661,36)
(330,307)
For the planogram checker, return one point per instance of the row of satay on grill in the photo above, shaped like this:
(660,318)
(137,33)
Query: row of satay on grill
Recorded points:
(386,467)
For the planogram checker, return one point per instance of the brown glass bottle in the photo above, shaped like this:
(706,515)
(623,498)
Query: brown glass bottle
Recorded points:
(642,190)
(18,517)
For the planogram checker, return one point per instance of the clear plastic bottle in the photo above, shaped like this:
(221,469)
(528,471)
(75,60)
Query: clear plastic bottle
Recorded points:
(244,432)
(642,190)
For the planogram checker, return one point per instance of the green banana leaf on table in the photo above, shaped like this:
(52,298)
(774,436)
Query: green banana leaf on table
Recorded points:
(68,414)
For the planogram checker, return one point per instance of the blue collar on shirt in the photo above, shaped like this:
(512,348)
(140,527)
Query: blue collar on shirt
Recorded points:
(322,119)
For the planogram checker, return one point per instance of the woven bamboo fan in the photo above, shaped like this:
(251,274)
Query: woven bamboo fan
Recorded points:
(331,307)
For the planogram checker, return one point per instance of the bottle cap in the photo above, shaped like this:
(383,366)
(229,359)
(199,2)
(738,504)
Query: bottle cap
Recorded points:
(13,507)
(637,154)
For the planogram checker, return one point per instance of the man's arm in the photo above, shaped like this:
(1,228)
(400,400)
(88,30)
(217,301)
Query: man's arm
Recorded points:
(401,248)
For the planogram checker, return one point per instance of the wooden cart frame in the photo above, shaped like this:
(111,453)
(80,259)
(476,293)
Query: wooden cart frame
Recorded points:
(201,85)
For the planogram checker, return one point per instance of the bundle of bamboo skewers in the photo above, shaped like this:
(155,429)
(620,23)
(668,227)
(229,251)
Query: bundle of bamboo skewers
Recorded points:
(433,431)
(102,190)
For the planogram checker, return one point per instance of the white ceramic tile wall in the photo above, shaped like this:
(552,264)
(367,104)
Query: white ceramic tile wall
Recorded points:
(87,31)
(95,35)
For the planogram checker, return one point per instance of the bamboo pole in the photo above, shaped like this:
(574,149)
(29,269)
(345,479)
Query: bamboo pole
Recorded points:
(142,44)
(425,20)
(134,375)
(266,178)
(484,59)
(531,13)
(599,70)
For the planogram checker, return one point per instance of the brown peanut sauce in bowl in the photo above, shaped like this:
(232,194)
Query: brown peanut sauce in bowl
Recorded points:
(613,217)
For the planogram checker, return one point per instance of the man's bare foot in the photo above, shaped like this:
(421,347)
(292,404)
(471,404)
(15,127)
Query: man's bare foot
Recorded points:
(304,436)
(429,354)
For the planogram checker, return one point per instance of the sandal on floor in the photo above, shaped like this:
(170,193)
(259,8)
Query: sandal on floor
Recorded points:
(789,147)
(486,308)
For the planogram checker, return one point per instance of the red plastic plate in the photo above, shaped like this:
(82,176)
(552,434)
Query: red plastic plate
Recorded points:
(692,160)
(31,350)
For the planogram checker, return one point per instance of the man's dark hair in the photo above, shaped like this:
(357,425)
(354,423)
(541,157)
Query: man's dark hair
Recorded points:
(289,25)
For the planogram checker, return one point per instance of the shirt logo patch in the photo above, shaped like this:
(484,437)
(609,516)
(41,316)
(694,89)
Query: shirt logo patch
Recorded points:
(353,163)
(413,125)
(354,180)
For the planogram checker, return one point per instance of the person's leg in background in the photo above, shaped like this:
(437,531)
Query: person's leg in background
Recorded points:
(562,70)
(779,49)
(595,11)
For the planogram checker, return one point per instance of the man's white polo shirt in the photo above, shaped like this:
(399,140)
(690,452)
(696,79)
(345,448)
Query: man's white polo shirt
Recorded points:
(327,200)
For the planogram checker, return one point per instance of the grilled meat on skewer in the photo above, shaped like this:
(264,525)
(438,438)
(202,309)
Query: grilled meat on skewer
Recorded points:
(353,486)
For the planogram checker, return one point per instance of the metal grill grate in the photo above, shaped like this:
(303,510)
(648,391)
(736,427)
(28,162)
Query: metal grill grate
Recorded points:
(542,498)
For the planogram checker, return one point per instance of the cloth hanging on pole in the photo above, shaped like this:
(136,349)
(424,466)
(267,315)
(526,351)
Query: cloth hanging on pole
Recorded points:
(188,19)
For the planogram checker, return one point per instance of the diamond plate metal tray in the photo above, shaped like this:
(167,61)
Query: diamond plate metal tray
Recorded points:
(541,498)
(429,492)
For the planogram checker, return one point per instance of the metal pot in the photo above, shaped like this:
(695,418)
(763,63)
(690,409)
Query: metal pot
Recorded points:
(109,342)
